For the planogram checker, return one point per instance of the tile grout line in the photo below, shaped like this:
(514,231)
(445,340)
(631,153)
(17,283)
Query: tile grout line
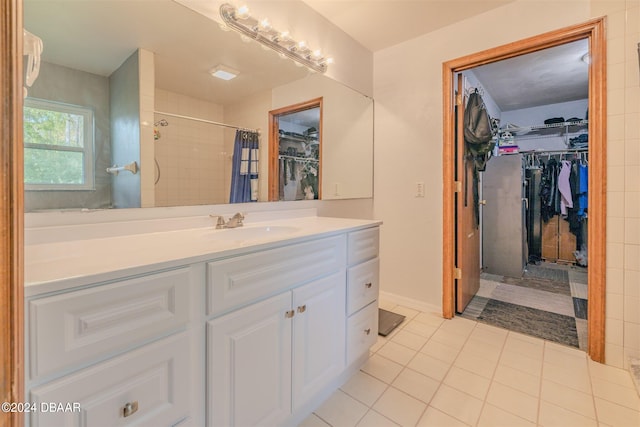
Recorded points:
(493,375)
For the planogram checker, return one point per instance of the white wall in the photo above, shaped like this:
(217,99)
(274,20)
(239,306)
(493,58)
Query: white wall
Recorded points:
(347,116)
(409,149)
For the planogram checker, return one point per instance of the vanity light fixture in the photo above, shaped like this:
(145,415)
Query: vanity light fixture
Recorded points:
(225,73)
(263,32)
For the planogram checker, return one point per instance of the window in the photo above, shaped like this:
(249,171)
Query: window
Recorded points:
(58,146)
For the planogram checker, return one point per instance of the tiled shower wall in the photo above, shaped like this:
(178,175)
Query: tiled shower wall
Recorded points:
(191,155)
(622,336)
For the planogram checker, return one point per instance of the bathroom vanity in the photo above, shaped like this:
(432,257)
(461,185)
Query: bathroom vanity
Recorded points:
(196,326)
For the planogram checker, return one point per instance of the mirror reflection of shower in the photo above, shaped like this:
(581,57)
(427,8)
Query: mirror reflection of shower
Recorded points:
(157,136)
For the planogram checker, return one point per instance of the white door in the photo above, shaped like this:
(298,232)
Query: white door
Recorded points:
(249,365)
(318,335)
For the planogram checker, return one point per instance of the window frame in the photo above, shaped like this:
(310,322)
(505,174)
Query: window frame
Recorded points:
(88,170)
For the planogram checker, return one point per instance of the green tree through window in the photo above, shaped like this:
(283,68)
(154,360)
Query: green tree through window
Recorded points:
(58,141)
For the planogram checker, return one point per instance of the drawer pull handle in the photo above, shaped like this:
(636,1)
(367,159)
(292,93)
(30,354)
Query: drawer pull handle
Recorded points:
(367,285)
(367,331)
(289,314)
(130,408)
(302,308)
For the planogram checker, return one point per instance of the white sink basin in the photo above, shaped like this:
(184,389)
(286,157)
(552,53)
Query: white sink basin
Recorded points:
(251,233)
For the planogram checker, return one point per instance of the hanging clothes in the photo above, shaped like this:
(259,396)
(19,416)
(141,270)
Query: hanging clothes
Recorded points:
(244,172)
(583,190)
(564,188)
(548,190)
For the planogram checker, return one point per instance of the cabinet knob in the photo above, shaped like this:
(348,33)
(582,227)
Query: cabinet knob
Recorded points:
(367,285)
(302,308)
(367,331)
(130,408)
(289,314)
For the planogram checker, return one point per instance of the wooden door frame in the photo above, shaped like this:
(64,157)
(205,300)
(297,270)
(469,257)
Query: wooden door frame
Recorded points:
(11,210)
(274,140)
(594,32)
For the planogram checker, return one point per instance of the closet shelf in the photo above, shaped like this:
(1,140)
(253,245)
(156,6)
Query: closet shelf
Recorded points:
(305,140)
(555,129)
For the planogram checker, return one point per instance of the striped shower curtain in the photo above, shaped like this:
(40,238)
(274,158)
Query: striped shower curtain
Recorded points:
(244,171)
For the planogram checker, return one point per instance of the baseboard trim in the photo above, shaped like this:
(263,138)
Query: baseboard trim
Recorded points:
(411,303)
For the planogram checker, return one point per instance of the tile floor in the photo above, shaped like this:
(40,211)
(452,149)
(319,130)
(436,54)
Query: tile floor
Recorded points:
(436,372)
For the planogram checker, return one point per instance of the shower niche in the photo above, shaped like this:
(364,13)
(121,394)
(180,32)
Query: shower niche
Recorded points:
(295,151)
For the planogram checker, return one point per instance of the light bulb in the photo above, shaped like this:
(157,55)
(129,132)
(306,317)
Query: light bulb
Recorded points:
(242,12)
(329,60)
(302,44)
(284,35)
(265,24)
(317,53)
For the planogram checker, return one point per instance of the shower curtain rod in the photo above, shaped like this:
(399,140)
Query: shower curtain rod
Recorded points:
(207,121)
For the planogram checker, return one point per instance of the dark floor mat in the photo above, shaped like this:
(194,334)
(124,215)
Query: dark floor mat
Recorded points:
(388,321)
(581,307)
(541,272)
(547,285)
(530,321)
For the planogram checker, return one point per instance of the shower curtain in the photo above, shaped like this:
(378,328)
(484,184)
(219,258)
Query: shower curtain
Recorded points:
(244,172)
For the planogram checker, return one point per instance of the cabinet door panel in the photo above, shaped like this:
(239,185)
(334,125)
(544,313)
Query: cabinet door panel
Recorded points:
(77,327)
(318,336)
(362,285)
(249,365)
(362,332)
(363,245)
(154,378)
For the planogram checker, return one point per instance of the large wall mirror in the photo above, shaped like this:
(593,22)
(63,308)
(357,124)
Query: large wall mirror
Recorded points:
(127,86)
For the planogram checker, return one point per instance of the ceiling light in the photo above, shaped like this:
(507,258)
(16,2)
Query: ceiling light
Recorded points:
(242,12)
(225,73)
(261,31)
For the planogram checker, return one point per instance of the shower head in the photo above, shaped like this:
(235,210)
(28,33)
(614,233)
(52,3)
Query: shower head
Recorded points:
(162,122)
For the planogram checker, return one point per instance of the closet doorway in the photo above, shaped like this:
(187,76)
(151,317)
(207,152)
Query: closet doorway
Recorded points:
(461,274)
(295,152)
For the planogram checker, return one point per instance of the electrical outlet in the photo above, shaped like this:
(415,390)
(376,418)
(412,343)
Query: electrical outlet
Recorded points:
(419,189)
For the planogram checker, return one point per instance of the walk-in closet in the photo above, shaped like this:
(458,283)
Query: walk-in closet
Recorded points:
(532,195)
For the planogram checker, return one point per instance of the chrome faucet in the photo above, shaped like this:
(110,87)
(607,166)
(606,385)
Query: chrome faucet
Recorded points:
(234,221)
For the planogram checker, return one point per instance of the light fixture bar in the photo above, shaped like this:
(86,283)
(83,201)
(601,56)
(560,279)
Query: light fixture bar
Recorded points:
(262,32)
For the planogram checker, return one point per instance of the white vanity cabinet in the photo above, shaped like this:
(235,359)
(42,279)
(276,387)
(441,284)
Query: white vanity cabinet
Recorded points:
(257,334)
(275,356)
(117,352)
(362,292)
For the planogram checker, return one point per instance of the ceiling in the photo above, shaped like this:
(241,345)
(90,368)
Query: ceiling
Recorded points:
(98,36)
(549,76)
(378,24)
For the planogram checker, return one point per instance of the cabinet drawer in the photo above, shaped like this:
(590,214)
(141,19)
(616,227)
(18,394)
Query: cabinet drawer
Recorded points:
(83,326)
(237,281)
(362,285)
(363,245)
(362,331)
(152,381)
